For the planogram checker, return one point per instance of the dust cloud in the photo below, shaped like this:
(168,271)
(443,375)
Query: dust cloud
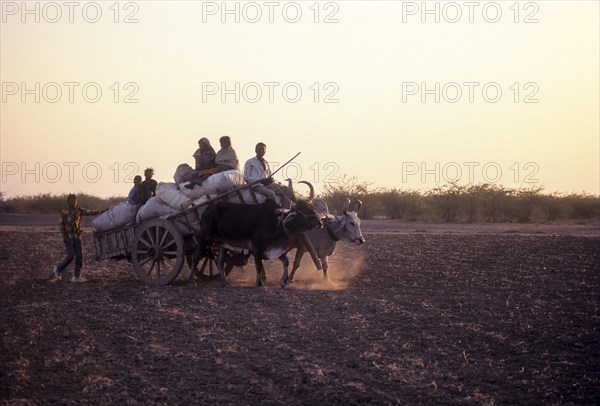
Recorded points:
(344,265)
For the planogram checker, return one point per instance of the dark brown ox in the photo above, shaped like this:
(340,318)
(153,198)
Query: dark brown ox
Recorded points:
(256,227)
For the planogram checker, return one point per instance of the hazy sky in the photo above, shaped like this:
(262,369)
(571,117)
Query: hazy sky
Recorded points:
(501,92)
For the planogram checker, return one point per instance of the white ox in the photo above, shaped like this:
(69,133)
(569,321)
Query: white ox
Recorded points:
(344,228)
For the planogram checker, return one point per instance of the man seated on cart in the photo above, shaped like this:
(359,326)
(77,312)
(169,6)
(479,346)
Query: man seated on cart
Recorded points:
(257,169)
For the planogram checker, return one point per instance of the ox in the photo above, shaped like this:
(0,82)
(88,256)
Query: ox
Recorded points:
(260,228)
(344,228)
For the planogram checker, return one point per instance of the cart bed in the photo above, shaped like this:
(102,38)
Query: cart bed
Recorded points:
(114,244)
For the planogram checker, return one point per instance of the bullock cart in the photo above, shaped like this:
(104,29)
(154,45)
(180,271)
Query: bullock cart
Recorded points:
(158,248)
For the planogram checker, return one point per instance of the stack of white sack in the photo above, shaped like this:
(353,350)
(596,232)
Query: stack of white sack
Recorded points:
(248,199)
(223,181)
(201,205)
(171,195)
(215,184)
(183,173)
(118,215)
(191,218)
(241,196)
(153,208)
(192,194)
(172,200)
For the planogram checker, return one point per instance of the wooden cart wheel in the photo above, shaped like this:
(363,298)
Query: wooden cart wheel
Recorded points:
(157,252)
(209,271)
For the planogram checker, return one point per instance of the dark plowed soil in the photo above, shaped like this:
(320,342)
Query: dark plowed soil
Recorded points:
(408,318)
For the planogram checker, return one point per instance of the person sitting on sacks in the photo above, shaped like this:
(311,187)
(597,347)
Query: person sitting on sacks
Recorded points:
(205,158)
(226,158)
(135,195)
(205,163)
(148,186)
(257,168)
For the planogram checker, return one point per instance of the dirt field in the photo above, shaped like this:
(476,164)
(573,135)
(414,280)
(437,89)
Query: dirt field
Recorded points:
(421,314)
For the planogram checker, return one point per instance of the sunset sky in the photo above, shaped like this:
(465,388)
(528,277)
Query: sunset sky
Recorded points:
(351,84)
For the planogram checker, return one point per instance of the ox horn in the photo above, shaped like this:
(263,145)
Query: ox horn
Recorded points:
(311,195)
(293,197)
(358,205)
(346,204)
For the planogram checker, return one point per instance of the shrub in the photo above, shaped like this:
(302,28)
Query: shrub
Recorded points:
(445,201)
(348,187)
(583,206)
(48,203)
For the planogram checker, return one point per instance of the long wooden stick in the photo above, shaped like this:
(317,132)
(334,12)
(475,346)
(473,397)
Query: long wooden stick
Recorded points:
(281,167)
(311,250)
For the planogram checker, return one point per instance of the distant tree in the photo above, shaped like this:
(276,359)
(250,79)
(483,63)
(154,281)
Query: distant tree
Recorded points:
(349,187)
(446,201)
(471,202)
(553,206)
(523,203)
(493,200)
(49,203)
(401,204)
(583,206)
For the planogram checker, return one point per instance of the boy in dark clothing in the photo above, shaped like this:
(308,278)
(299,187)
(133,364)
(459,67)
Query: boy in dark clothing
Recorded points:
(148,187)
(70,228)
(135,194)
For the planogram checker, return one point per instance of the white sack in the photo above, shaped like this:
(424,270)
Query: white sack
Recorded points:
(117,216)
(195,193)
(214,184)
(171,195)
(191,220)
(182,172)
(247,196)
(153,208)
(223,181)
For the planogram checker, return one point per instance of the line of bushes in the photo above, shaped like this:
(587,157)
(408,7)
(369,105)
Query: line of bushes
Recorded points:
(463,203)
(449,203)
(49,203)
